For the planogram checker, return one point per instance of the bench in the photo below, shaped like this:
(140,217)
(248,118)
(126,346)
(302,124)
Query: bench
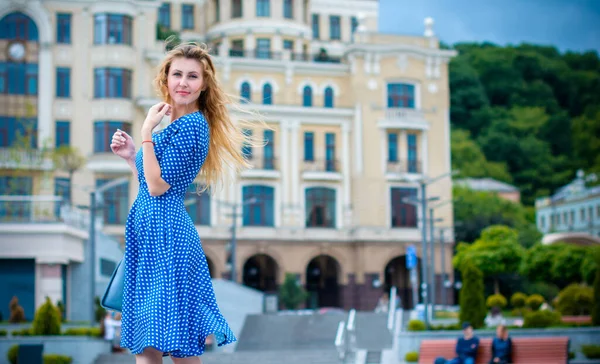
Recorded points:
(526,350)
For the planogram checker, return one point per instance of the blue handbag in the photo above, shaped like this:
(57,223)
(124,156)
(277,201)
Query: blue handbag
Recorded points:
(113,296)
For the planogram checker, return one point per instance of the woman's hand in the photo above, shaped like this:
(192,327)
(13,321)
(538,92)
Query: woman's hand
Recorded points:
(122,145)
(155,115)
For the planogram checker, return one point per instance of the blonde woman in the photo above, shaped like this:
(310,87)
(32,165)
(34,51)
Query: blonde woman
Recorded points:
(169,306)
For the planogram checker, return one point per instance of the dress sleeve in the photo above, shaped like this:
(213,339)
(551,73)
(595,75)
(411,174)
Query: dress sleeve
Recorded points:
(180,153)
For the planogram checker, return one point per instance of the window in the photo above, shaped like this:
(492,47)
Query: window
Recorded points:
(14,129)
(63,82)
(112,29)
(112,82)
(263,8)
(413,164)
(328,102)
(246,93)
(261,211)
(392,147)
(353,24)
(107,267)
(217,11)
(330,163)
(237,48)
(309,146)
(62,188)
(18,78)
(187,16)
(198,205)
(401,95)
(263,48)
(334,27)
(62,133)
(320,207)
(315,26)
(307,96)
(269,149)
(236,9)
(116,202)
(15,210)
(103,131)
(288,44)
(63,28)
(403,214)
(267,94)
(18,26)
(288,9)
(543,222)
(164,15)
(247,148)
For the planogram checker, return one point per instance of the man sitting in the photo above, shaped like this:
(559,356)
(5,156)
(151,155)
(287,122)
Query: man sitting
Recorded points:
(466,348)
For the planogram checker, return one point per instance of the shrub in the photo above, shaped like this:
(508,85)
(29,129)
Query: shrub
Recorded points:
(520,312)
(3,333)
(416,325)
(591,351)
(547,290)
(46,320)
(571,355)
(518,300)
(22,332)
(496,300)
(411,357)
(541,319)
(57,359)
(291,293)
(596,302)
(82,331)
(100,311)
(535,301)
(17,314)
(13,351)
(575,299)
(472,301)
(61,310)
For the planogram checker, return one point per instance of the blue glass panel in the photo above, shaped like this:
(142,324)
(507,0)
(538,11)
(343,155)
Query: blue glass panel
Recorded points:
(307,96)
(328,97)
(309,146)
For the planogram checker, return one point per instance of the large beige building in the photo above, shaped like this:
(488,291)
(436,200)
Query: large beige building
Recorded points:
(358,119)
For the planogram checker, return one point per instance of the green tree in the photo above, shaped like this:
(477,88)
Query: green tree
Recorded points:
(291,293)
(566,267)
(472,300)
(586,134)
(590,265)
(496,252)
(538,260)
(468,158)
(47,320)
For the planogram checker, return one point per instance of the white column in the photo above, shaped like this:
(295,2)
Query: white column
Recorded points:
(403,149)
(295,169)
(45,87)
(424,152)
(277,45)
(284,164)
(358,145)
(347,201)
(249,42)
(384,148)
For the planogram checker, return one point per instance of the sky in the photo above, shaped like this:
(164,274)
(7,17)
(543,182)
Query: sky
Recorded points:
(567,24)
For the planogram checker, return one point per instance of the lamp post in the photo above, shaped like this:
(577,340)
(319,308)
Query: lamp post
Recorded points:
(233,243)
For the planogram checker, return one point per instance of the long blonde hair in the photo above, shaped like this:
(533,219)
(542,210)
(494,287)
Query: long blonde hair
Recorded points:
(226,136)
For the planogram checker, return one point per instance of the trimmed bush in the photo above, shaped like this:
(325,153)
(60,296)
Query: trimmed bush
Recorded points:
(17,314)
(496,300)
(291,293)
(411,357)
(575,299)
(596,302)
(13,351)
(535,301)
(541,319)
(46,320)
(518,300)
(82,331)
(3,333)
(22,332)
(591,351)
(57,359)
(472,301)
(416,325)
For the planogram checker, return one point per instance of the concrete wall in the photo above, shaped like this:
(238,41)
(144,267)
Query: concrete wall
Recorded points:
(83,350)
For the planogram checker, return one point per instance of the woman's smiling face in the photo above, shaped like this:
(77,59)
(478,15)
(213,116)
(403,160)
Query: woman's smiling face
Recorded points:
(185,81)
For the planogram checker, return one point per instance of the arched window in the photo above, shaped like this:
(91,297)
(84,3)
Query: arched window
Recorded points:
(267,94)
(246,93)
(320,207)
(328,102)
(18,26)
(259,205)
(307,96)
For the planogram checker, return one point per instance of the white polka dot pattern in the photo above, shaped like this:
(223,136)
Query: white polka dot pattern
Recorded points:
(168,299)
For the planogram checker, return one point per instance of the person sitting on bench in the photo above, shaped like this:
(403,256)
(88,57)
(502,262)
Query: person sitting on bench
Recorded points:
(501,347)
(466,348)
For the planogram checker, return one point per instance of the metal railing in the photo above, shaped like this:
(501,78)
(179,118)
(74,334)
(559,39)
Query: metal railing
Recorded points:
(26,159)
(283,55)
(404,166)
(264,163)
(323,165)
(345,339)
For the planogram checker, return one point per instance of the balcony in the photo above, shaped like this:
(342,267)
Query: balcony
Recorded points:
(403,118)
(403,168)
(324,169)
(31,159)
(284,55)
(262,167)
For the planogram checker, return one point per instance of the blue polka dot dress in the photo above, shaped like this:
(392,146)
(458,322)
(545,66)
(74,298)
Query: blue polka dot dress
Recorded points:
(168,298)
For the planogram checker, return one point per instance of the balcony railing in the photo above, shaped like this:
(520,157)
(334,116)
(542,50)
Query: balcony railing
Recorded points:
(403,113)
(264,163)
(331,165)
(25,159)
(284,55)
(404,166)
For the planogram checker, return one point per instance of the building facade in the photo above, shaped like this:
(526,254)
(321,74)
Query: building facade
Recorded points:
(357,119)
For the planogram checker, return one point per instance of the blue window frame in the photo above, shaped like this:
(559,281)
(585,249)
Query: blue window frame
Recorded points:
(315,26)
(267,94)
(187,16)
(330,162)
(309,146)
(198,205)
(263,48)
(116,202)
(164,15)
(262,211)
(112,83)
(13,129)
(288,9)
(334,27)
(62,133)
(307,99)
(113,29)
(288,44)
(401,95)
(392,147)
(263,8)
(63,28)
(411,142)
(18,78)
(19,26)
(320,207)
(103,131)
(328,102)
(246,93)
(269,149)
(247,148)
(63,82)
(237,10)
(403,214)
